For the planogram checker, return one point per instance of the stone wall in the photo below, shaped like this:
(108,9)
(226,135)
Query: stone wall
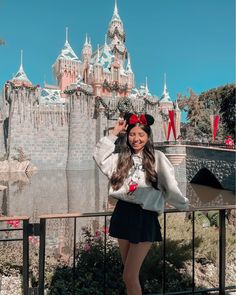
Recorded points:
(2,146)
(82,134)
(44,140)
(220,162)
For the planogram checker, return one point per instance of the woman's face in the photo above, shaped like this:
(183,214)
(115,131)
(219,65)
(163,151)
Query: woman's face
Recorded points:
(137,139)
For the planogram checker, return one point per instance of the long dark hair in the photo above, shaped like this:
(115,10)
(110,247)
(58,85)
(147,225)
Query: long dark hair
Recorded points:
(125,161)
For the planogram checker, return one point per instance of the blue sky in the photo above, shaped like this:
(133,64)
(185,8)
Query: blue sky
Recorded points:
(192,41)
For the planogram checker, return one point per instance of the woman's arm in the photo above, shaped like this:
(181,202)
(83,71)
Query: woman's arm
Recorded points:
(104,151)
(168,183)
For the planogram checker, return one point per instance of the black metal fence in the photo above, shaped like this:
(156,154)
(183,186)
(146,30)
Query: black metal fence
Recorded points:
(23,228)
(40,229)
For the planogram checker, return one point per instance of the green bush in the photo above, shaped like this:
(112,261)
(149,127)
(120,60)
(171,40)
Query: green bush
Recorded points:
(96,268)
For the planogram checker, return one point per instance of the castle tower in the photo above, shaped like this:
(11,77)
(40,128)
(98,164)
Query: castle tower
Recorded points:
(86,58)
(20,95)
(98,75)
(116,36)
(67,66)
(165,105)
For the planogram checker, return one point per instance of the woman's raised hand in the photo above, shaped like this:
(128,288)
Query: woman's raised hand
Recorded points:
(119,127)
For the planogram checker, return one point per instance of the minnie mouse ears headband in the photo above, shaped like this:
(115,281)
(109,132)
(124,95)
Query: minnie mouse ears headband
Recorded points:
(143,119)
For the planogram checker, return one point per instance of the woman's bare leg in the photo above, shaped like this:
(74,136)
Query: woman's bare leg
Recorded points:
(133,262)
(124,248)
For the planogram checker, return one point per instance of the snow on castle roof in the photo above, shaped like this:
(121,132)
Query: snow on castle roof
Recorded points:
(21,75)
(67,53)
(49,95)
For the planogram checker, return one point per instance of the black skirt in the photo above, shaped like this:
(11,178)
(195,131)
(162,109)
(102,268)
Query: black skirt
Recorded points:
(130,222)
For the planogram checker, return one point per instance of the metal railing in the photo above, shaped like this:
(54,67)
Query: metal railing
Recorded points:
(222,251)
(25,253)
(221,145)
(39,229)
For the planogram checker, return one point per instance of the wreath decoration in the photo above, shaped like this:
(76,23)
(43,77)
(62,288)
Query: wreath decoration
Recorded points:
(124,105)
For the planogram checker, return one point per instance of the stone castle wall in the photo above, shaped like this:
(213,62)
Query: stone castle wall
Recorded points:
(82,133)
(63,136)
(43,139)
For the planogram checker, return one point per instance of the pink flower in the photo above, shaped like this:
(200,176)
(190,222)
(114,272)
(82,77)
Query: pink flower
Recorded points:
(87,247)
(13,223)
(97,233)
(105,230)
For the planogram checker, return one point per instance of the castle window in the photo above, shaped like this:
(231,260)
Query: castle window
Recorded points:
(115,74)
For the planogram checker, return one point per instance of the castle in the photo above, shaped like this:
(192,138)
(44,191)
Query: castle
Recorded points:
(57,126)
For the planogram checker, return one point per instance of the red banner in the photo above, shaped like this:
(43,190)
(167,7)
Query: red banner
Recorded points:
(168,132)
(171,124)
(215,126)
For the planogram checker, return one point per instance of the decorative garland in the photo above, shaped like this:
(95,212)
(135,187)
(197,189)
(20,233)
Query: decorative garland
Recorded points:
(124,105)
(71,91)
(115,50)
(152,103)
(114,86)
(22,86)
(117,33)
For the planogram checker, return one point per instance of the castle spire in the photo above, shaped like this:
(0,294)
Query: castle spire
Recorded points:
(86,40)
(128,67)
(165,88)
(21,59)
(105,39)
(115,16)
(20,76)
(165,95)
(146,86)
(98,53)
(116,10)
(67,35)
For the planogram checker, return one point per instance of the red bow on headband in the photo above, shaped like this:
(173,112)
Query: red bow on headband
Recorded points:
(134,119)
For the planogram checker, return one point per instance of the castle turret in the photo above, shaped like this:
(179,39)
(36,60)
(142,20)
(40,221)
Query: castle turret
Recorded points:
(98,74)
(86,51)
(116,35)
(86,58)
(67,66)
(20,77)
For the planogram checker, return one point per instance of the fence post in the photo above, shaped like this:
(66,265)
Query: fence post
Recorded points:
(164,257)
(42,255)
(193,252)
(222,249)
(25,257)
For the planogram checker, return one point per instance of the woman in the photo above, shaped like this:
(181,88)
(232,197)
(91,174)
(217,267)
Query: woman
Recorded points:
(142,180)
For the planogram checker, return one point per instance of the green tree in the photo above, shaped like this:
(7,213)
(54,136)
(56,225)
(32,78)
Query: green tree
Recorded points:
(228,109)
(220,100)
(197,116)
